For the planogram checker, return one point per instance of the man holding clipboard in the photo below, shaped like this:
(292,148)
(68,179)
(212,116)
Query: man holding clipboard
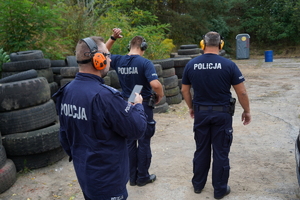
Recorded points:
(133,69)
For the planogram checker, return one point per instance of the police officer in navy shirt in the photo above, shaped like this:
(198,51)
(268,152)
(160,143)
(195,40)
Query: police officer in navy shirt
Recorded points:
(133,69)
(211,77)
(95,123)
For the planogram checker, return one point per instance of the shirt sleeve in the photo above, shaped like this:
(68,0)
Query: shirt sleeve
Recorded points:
(150,71)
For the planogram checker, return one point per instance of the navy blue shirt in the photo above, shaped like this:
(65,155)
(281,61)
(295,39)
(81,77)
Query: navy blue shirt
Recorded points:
(95,122)
(211,77)
(134,70)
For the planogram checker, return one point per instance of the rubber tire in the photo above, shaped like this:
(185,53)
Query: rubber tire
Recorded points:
(64,81)
(168,72)
(165,63)
(24,65)
(179,71)
(24,94)
(107,80)
(53,88)
(161,80)
(114,79)
(28,119)
(47,73)
(8,175)
(69,72)
(2,156)
(171,82)
(58,63)
(158,69)
(188,46)
(29,74)
(181,61)
(57,78)
(174,99)
(161,109)
(172,91)
(26,55)
(188,51)
(32,142)
(39,160)
(71,61)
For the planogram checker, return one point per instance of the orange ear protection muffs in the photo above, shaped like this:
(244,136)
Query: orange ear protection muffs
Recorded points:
(98,59)
(144,45)
(202,43)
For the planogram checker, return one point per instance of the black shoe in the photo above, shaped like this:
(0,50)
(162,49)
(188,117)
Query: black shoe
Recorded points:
(197,191)
(226,193)
(151,179)
(132,183)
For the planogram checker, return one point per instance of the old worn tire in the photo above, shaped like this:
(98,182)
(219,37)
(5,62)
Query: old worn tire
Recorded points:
(161,80)
(39,160)
(188,46)
(114,79)
(8,175)
(53,88)
(64,81)
(2,156)
(107,80)
(181,61)
(29,74)
(172,91)
(23,94)
(171,82)
(71,61)
(168,72)
(26,55)
(24,65)
(47,73)
(188,51)
(174,99)
(58,63)
(161,108)
(165,63)
(69,72)
(32,142)
(158,69)
(28,119)
(179,71)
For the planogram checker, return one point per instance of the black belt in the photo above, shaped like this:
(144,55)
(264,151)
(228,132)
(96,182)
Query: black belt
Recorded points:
(213,108)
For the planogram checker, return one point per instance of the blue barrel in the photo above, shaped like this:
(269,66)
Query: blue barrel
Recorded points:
(269,56)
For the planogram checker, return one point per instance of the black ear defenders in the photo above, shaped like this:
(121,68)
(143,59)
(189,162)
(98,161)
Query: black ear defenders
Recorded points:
(144,45)
(98,59)
(202,43)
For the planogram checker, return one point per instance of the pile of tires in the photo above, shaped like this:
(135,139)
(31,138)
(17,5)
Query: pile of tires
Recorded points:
(162,106)
(170,81)
(187,50)
(8,172)
(29,123)
(31,59)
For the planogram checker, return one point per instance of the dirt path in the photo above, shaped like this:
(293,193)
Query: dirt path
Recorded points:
(262,154)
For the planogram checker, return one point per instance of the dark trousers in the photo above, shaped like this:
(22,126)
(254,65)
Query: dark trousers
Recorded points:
(212,133)
(123,195)
(140,150)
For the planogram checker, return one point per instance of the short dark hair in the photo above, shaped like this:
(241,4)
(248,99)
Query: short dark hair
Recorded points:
(82,47)
(212,39)
(136,42)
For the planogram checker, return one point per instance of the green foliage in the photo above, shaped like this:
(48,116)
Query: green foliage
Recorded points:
(4,58)
(25,24)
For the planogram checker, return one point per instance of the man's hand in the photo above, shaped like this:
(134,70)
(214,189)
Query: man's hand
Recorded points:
(138,98)
(246,118)
(117,33)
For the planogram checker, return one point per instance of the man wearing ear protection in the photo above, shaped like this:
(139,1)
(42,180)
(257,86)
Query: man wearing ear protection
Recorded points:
(212,108)
(95,122)
(133,69)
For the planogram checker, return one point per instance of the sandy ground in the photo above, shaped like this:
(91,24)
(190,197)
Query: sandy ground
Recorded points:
(262,154)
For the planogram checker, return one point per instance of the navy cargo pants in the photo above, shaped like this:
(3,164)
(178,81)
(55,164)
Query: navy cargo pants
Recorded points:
(140,151)
(212,133)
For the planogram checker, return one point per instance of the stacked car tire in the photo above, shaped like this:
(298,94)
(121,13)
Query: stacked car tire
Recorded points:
(28,118)
(170,80)
(162,106)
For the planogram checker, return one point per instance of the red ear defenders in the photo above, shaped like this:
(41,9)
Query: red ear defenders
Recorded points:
(144,45)
(98,59)
(202,43)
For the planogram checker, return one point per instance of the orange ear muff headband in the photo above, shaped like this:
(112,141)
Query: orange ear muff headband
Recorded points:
(98,59)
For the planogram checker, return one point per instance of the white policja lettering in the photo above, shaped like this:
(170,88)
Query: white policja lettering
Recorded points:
(128,70)
(207,66)
(72,111)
